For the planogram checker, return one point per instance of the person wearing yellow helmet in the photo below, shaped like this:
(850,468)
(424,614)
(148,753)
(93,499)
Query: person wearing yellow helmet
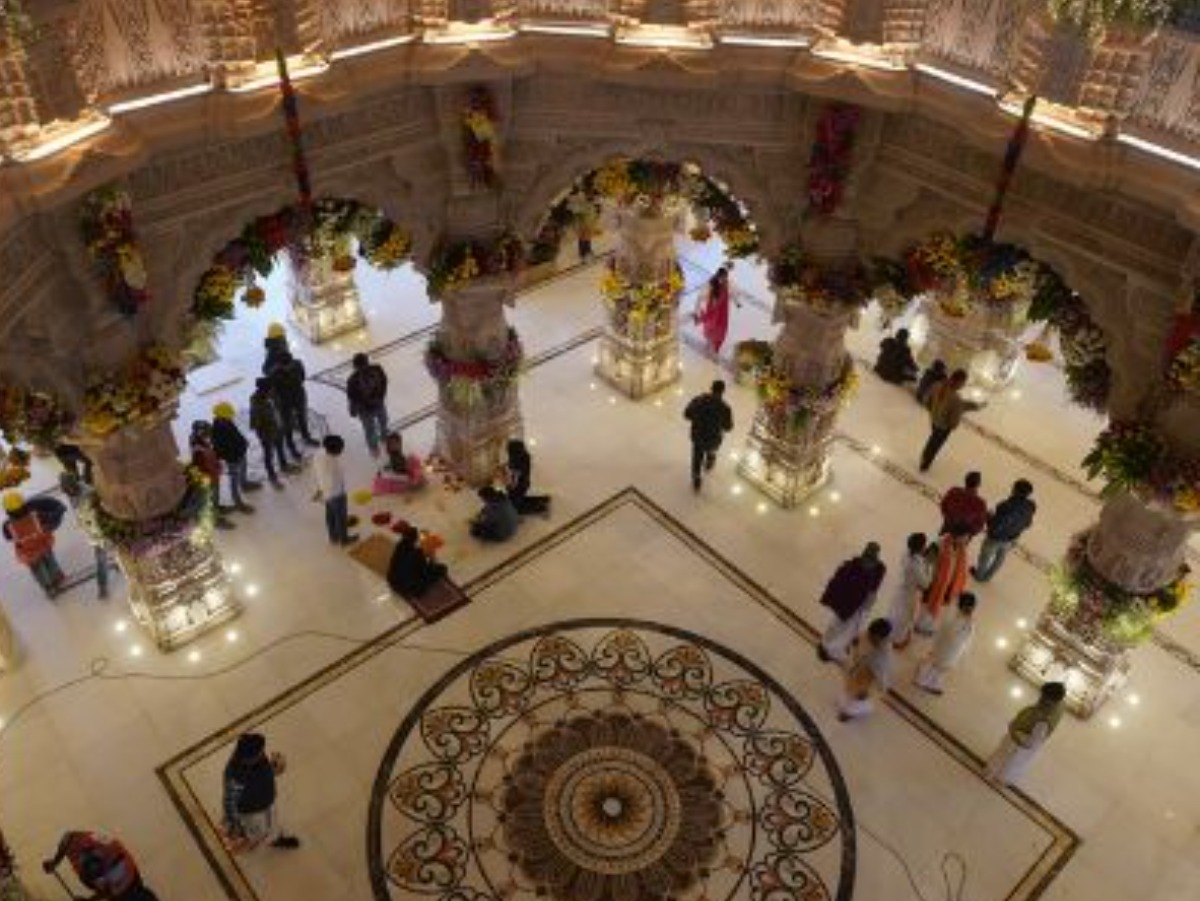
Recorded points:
(33,542)
(231,447)
(275,344)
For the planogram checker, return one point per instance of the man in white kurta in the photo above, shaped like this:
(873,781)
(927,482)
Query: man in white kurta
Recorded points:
(869,672)
(1027,732)
(951,643)
(916,572)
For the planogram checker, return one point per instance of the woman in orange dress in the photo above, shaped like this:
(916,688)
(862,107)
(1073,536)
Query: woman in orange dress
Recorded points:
(949,579)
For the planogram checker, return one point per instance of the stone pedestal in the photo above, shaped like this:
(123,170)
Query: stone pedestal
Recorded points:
(325,302)
(178,587)
(639,354)
(471,437)
(1136,547)
(785,460)
(985,341)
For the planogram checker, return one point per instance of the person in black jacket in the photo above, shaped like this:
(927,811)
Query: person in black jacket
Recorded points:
(410,572)
(287,377)
(895,363)
(231,446)
(267,424)
(520,473)
(248,800)
(1006,524)
(367,393)
(711,418)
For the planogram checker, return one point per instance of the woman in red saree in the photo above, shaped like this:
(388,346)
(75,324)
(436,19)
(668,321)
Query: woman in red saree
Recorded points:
(713,315)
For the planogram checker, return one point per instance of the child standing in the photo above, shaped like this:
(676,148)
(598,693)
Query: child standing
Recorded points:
(949,647)
(869,673)
(331,488)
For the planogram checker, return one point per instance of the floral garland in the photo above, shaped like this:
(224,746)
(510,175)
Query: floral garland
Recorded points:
(14,468)
(791,407)
(144,537)
(469,383)
(1130,456)
(1100,610)
(825,287)
(636,305)
(832,153)
(651,185)
(107,226)
(753,354)
(142,388)
(31,417)
(323,229)
(969,270)
(479,137)
(1083,345)
(1183,372)
(455,264)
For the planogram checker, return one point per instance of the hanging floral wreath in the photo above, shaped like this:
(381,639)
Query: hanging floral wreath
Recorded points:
(33,417)
(791,407)
(325,229)
(141,389)
(823,286)
(1084,347)
(473,382)
(455,264)
(107,226)
(642,304)
(479,137)
(1130,456)
(1104,612)
(832,154)
(146,536)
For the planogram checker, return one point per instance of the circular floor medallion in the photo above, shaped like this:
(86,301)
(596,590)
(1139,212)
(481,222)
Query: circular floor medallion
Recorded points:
(609,760)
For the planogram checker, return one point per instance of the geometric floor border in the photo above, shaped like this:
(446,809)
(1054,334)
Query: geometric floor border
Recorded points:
(1064,842)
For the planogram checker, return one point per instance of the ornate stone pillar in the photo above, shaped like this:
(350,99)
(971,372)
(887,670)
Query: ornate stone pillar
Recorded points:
(325,301)
(787,453)
(475,359)
(984,339)
(639,351)
(1118,578)
(157,520)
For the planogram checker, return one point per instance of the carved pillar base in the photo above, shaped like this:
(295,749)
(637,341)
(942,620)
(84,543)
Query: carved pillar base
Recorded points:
(1053,652)
(638,361)
(472,440)
(787,464)
(985,342)
(325,301)
(180,591)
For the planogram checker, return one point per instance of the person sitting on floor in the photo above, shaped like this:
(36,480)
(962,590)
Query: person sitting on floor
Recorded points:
(520,470)
(895,363)
(411,571)
(498,520)
(403,472)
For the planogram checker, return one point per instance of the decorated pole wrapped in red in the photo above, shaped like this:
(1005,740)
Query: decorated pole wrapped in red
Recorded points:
(291,117)
(1012,156)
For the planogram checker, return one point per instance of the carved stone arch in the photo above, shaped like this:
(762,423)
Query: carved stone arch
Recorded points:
(526,204)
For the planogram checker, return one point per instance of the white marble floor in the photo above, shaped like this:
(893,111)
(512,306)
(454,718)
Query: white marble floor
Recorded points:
(93,710)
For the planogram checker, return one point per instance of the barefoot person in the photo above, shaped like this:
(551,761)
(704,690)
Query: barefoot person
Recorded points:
(849,596)
(869,673)
(916,572)
(1026,734)
(949,647)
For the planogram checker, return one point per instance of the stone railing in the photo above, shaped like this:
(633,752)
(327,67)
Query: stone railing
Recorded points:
(83,56)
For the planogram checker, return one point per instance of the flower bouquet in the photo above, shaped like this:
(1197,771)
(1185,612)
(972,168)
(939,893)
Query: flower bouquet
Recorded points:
(14,468)
(825,287)
(1131,457)
(144,387)
(791,407)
